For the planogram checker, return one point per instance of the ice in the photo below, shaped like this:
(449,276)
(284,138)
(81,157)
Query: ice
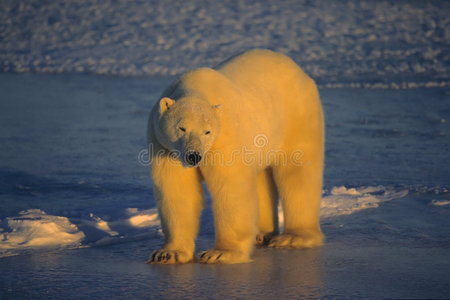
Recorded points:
(88,164)
(34,229)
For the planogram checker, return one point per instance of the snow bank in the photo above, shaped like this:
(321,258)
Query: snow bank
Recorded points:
(345,201)
(440,202)
(34,229)
(406,42)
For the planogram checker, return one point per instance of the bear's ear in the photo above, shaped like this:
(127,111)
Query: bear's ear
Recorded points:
(164,104)
(218,108)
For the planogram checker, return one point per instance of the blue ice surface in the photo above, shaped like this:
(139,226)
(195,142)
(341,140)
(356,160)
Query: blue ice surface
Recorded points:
(70,146)
(74,137)
(335,271)
(80,137)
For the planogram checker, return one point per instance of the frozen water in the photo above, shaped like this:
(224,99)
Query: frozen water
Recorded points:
(72,156)
(71,162)
(34,229)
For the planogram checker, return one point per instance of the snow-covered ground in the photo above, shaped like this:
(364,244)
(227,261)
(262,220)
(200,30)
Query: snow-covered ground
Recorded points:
(73,171)
(396,43)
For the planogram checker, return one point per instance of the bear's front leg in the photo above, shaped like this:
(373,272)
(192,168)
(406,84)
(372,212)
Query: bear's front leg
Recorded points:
(179,195)
(235,208)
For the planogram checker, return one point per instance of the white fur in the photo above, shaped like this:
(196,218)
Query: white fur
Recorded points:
(265,142)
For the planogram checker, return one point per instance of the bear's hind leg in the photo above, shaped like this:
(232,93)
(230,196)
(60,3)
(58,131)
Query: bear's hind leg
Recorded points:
(268,214)
(300,190)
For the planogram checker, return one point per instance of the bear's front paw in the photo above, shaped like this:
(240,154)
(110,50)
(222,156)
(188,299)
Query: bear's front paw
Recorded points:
(214,256)
(292,241)
(164,256)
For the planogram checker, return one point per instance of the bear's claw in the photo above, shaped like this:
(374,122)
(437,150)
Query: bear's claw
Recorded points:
(214,256)
(164,256)
(210,257)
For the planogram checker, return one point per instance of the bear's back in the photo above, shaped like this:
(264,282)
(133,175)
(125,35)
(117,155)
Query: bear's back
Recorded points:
(280,87)
(260,66)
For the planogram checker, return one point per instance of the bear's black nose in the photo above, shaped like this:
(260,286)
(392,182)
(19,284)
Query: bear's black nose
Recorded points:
(193,158)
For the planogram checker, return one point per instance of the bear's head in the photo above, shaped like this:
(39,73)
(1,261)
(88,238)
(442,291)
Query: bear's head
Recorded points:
(187,127)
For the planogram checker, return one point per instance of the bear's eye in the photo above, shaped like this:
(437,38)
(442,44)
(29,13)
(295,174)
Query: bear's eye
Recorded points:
(208,132)
(182,129)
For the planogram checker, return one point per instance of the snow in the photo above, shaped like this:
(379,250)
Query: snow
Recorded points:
(35,229)
(440,202)
(143,219)
(345,201)
(339,43)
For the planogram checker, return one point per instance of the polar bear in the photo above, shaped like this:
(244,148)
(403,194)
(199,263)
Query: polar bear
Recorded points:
(252,129)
